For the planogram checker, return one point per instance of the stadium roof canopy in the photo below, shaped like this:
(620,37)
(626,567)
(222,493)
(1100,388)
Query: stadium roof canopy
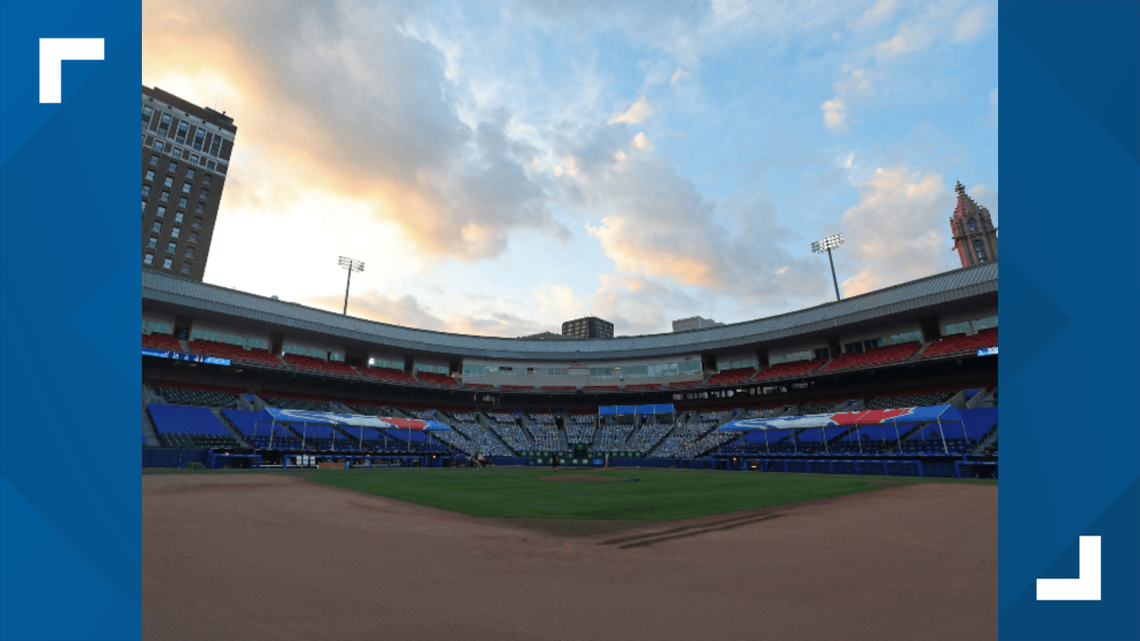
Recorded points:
(161,291)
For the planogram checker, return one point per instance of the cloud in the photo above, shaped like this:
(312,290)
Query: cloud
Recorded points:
(834,114)
(882,11)
(637,112)
(338,96)
(383,307)
(898,231)
(994,107)
(909,39)
(973,23)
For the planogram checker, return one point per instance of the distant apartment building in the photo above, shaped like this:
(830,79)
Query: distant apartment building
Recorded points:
(185,157)
(588,327)
(696,322)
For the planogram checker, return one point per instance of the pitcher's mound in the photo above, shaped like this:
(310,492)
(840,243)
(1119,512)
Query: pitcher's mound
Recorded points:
(588,478)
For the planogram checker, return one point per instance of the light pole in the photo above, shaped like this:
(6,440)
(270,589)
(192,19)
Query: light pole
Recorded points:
(827,244)
(351,265)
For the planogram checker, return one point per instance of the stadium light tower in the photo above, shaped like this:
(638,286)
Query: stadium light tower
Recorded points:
(352,265)
(827,244)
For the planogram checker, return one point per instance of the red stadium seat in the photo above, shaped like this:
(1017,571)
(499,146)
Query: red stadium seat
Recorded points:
(961,343)
(235,353)
(877,356)
(314,364)
(783,370)
(432,378)
(161,341)
(389,374)
(731,376)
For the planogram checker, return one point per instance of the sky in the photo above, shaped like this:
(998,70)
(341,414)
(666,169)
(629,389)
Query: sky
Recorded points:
(503,167)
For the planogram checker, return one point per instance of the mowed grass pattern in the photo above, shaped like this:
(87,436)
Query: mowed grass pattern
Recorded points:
(662,495)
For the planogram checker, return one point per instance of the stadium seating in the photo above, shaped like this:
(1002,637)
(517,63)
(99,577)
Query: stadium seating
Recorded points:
(876,356)
(914,397)
(294,401)
(580,428)
(190,427)
(517,388)
(190,394)
(600,388)
(650,433)
(314,364)
(507,428)
(481,440)
(235,353)
(785,370)
(567,389)
(544,432)
(820,405)
(389,374)
(483,386)
(432,378)
(684,384)
(161,341)
(962,344)
(263,435)
(614,433)
(731,376)
(643,387)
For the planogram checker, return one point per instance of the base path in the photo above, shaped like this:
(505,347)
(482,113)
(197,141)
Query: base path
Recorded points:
(272,556)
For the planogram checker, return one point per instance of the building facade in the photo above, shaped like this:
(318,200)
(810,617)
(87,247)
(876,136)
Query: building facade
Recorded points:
(185,157)
(696,322)
(588,327)
(975,237)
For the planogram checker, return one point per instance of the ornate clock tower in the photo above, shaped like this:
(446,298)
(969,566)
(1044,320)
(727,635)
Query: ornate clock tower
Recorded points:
(975,237)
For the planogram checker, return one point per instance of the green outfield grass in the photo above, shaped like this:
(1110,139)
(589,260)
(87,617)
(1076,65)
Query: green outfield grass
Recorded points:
(662,495)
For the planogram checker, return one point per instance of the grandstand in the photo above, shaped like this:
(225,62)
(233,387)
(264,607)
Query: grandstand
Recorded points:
(921,344)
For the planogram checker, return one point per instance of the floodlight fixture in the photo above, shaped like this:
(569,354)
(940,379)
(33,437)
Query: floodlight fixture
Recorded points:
(826,245)
(352,265)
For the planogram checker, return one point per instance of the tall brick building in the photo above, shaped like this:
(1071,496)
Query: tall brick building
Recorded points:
(975,237)
(185,156)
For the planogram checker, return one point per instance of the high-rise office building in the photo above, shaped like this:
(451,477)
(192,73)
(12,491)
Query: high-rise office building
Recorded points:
(589,327)
(185,157)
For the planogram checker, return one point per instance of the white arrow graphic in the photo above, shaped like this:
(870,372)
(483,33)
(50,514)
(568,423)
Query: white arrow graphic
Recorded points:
(1086,587)
(53,51)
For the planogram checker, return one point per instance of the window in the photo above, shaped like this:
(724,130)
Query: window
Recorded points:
(601,372)
(172,248)
(185,188)
(199,139)
(185,268)
(319,353)
(152,243)
(337,356)
(234,340)
(146,190)
(197,222)
(168,181)
(154,327)
(183,129)
(190,173)
(193,236)
(257,343)
(158,145)
(178,217)
(204,194)
(189,252)
(294,349)
(200,208)
(164,125)
(204,335)
(156,227)
(144,205)
(215,147)
(172,167)
(206,179)
(161,213)
(194,158)
(972,224)
(147,110)
(153,161)
(165,196)
(906,337)
(167,263)
(980,250)
(985,323)
(148,258)
(150,174)
(689,368)
(211,164)
(958,328)
(182,202)
(174,231)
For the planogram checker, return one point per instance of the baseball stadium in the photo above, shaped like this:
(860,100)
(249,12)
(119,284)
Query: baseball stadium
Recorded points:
(829,473)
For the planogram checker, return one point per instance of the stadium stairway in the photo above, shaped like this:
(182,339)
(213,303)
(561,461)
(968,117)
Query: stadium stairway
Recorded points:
(148,430)
(986,441)
(224,420)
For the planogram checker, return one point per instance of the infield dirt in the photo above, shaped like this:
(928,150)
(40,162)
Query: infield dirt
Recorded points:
(273,556)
